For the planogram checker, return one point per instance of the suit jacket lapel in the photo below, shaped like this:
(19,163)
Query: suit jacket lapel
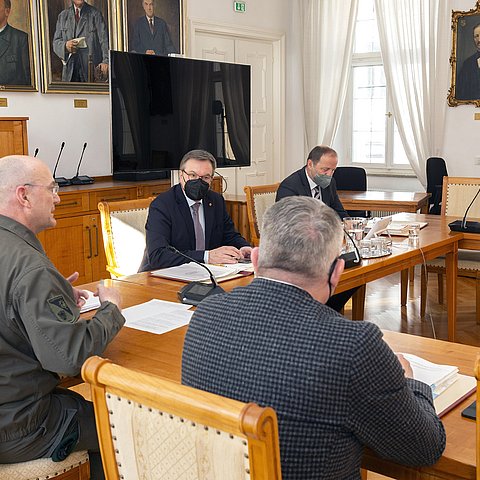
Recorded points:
(305,184)
(185,213)
(4,41)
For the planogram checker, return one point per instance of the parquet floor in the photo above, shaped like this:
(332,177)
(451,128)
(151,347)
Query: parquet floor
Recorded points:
(382,307)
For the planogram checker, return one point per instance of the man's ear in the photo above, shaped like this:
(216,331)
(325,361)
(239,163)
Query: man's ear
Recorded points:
(21,195)
(254,258)
(337,272)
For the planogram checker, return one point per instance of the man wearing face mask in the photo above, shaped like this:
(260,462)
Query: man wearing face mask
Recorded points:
(315,180)
(335,384)
(193,219)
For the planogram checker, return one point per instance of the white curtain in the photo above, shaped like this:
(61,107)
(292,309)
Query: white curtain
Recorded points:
(414,44)
(328,27)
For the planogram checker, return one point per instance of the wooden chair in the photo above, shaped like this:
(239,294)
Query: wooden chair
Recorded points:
(259,198)
(153,428)
(75,467)
(123,228)
(457,193)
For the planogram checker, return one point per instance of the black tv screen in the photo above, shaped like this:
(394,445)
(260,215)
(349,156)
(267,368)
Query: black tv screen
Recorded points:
(162,107)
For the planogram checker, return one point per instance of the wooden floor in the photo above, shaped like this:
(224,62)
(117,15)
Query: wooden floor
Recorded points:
(382,307)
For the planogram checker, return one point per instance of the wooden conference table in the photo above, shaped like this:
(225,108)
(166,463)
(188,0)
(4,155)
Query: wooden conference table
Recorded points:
(162,354)
(385,201)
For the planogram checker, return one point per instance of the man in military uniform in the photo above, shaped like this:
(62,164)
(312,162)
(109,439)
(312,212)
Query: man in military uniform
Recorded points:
(41,334)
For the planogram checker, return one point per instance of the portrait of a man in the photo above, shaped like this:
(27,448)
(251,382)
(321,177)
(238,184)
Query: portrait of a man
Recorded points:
(153,27)
(14,51)
(468,79)
(81,43)
(151,34)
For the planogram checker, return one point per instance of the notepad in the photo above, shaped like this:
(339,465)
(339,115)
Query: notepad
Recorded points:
(401,228)
(91,303)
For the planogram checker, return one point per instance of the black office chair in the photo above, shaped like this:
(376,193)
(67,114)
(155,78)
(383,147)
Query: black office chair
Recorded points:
(436,170)
(352,178)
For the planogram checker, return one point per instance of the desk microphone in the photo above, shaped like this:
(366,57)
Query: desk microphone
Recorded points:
(36,152)
(463,225)
(352,259)
(194,292)
(81,179)
(62,181)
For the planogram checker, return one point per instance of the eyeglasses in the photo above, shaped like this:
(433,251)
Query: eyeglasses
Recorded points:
(194,176)
(53,188)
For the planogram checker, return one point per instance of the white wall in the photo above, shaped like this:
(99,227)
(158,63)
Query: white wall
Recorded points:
(53,118)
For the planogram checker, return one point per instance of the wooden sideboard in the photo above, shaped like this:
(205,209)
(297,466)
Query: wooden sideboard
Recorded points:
(13,136)
(75,244)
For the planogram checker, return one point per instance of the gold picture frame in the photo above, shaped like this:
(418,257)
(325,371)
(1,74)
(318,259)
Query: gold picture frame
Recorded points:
(17,53)
(83,70)
(169,22)
(465,66)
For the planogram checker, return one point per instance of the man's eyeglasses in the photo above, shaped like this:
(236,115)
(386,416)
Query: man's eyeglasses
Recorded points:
(194,176)
(53,188)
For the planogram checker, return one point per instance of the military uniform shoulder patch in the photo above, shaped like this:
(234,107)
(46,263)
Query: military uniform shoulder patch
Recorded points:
(60,309)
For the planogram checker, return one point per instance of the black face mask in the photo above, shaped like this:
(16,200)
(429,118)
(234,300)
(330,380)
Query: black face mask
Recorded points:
(196,189)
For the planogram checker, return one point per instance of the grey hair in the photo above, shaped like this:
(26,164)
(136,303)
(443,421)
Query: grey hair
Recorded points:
(198,155)
(300,235)
(15,170)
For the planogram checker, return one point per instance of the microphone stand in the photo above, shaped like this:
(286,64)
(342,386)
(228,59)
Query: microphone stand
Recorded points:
(62,181)
(194,292)
(81,179)
(463,225)
(352,259)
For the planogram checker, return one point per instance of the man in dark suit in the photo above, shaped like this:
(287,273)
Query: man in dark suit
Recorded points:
(14,56)
(316,180)
(81,20)
(335,384)
(468,80)
(151,34)
(193,219)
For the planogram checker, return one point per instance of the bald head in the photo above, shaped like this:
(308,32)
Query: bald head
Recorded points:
(26,192)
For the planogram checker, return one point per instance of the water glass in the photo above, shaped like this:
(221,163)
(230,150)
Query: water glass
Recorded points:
(414,235)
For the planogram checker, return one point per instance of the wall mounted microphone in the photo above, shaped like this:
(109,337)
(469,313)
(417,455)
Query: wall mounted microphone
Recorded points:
(194,292)
(36,152)
(62,181)
(81,179)
(463,225)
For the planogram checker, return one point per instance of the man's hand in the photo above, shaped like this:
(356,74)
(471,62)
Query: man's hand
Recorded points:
(80,296)
(103,68)
(246,252)
(108,294)
(406,365)
(150,52)
(224,255)
(71,46)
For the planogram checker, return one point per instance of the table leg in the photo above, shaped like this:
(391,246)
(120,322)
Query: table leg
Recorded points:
(403,287)
(451,262)
(358,303)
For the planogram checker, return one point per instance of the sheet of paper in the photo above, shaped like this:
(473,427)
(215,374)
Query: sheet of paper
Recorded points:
(157,316)
(91,303)
(192,272)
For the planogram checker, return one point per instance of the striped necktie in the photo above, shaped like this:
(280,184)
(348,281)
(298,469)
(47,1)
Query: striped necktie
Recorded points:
(317,193)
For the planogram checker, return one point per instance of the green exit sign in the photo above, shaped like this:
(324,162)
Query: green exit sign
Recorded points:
(240,7)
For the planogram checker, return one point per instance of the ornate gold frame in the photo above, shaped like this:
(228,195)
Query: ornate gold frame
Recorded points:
(21,17)
(47,30)
(462,23)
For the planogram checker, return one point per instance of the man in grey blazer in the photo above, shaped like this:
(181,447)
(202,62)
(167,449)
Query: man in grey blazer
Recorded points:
(335,384)
(151,34)
(14,56)
(81,20)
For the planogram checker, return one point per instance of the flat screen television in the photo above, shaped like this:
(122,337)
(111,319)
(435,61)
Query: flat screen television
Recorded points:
(162,107)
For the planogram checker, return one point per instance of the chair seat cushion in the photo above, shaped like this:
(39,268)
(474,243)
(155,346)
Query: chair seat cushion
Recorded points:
(43,468)
(467,260)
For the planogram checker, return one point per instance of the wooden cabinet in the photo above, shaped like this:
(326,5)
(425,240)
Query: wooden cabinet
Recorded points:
(13,136)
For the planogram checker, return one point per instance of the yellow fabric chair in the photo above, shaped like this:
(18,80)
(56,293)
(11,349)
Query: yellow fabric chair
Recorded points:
(457,193)
(74,467)
(123,228)
(259,198)
(152,428)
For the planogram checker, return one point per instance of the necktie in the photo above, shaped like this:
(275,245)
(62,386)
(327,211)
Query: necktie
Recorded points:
(77,15)
(150,21)
(199,234)
(317,193)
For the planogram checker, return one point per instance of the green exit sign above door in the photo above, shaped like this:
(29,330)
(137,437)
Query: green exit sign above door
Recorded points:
(240,7)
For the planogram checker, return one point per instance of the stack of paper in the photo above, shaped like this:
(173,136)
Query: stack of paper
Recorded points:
(91,303)
(401,228)
(439,377)
(192,272)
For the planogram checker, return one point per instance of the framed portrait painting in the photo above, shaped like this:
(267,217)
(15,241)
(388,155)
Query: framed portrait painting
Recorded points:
(152,27)
(76,38)
(17,52)
(465,58)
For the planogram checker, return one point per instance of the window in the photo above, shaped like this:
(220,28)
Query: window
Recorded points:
(374,139)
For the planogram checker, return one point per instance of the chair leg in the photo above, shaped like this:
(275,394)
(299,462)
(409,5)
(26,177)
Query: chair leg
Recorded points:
(412,273)
(403,287)
(477,293)
(423,291)
(440,288)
